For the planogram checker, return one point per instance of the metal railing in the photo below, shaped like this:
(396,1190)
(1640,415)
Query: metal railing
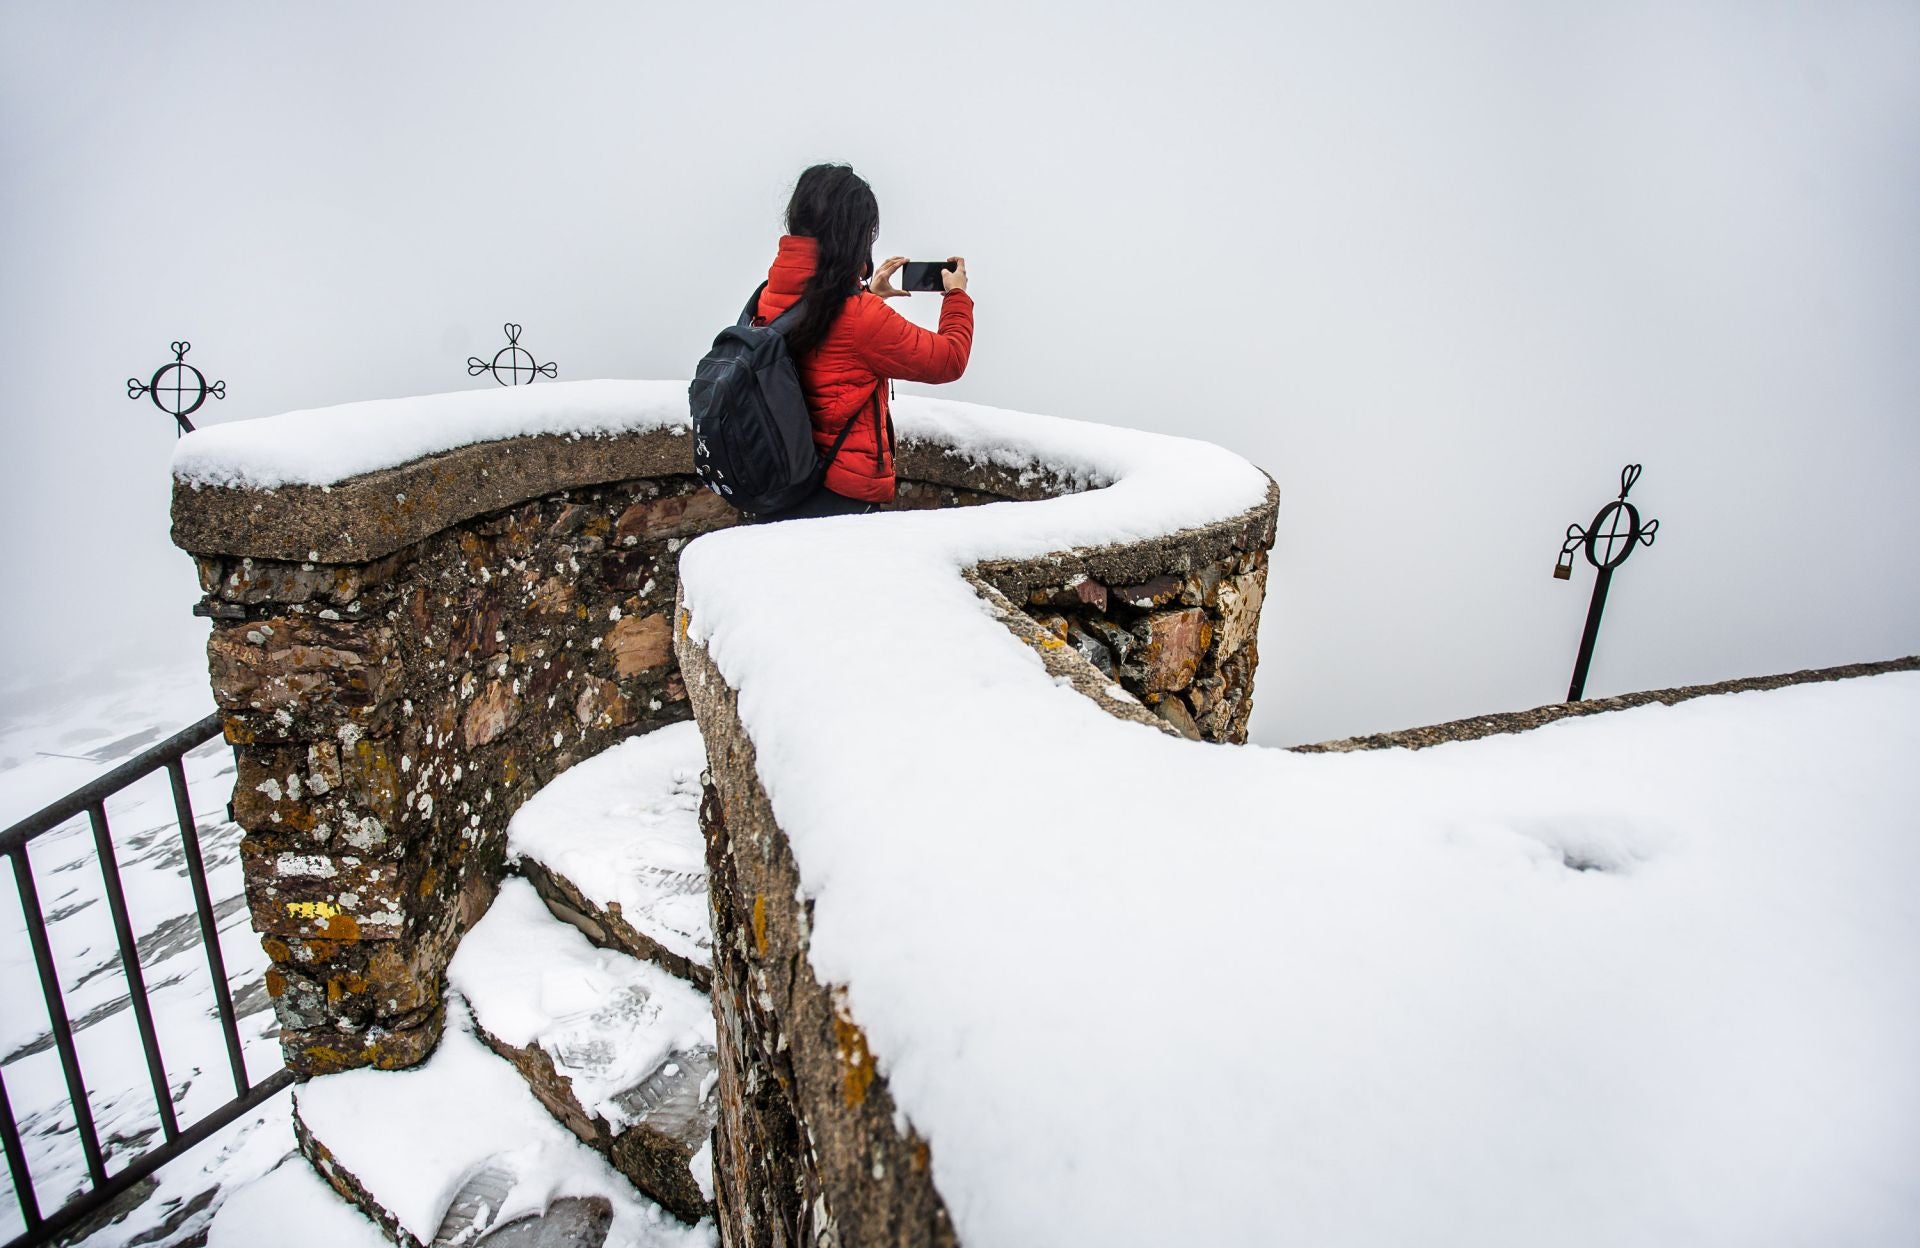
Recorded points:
(43,1228)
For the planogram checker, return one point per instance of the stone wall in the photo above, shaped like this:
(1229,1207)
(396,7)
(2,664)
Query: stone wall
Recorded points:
(389,716)
(807,1151)
(404,658)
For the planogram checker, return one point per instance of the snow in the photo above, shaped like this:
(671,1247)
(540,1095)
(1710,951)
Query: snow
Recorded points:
(624,827)
(414,1137)
(292,1207)
(1652,976)
(1355,999)
(189,1190)
(47,749)
(326,445)
(607,1020)
(701,1166)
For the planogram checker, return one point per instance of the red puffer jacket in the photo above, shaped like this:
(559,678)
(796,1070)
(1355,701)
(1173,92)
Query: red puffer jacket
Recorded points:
(868,346)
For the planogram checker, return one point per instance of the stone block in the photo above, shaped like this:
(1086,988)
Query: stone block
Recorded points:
(490,714)
(681,515)
(297,890)
(1157,592)
(1079,591)
(641,643)
(1239,601)
(601,705)
(1175,643)
(1175,712)
(303,666)
(553,596)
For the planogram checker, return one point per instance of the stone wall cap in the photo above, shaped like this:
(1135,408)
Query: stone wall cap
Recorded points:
(356,482)
(325,446)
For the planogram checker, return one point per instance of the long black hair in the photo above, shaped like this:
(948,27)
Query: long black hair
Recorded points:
(834,206)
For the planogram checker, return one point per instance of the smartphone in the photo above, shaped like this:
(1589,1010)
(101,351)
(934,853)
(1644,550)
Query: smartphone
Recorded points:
(923,274)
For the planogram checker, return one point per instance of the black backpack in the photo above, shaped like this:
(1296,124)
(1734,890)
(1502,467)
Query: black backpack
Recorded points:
(752,436)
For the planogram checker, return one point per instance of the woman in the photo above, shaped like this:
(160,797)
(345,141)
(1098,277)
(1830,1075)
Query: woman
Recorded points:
(846,342)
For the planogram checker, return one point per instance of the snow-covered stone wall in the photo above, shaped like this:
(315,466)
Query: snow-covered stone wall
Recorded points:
(423,610)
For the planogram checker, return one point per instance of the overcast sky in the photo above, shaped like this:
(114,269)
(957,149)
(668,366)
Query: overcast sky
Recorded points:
(1440,269)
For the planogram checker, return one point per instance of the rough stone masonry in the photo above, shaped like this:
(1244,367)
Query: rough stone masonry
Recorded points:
(464,627)
(389,716)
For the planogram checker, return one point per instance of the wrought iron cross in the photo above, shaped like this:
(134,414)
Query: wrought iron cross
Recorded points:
(178,389)
(1612,536)
(513,360)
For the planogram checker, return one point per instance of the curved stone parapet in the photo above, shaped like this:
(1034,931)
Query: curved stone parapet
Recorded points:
(424,609)
(1002,956)
(813,1146)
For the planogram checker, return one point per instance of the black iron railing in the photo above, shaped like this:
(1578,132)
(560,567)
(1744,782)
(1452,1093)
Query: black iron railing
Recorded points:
(44,1227)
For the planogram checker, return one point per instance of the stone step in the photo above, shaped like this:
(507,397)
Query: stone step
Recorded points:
(618,1049)
(458,1151)
(291,1207)
(613,845)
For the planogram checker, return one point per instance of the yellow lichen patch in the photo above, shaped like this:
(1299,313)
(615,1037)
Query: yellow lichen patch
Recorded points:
(1049,642)
(276,983)
(276,948)
(342,986)
(237,733)
(341,927)
(686,618)
(856,1064)
(760,923)
(429,878)
(312,909)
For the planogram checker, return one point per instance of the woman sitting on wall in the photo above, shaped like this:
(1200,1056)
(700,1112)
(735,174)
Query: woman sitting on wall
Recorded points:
(846,342)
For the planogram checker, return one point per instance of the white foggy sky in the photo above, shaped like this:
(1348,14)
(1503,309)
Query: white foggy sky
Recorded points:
(1441,270)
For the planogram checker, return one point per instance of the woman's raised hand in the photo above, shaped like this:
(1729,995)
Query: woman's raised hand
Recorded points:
(955,278)
(881,283)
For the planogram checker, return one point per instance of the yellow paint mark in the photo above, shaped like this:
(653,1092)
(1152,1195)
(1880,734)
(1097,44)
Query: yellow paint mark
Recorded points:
(760,923)
(686,618)
(312,909)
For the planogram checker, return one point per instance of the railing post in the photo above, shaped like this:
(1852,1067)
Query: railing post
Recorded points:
(130,964)
(209,924)
(57,1014)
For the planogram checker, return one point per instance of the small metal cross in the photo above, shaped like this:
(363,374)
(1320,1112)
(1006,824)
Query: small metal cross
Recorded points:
(512,360)
(178,389)
(1607,546)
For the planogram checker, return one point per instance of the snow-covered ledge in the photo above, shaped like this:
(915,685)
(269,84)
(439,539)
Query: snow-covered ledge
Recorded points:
(424,609)
(995,966)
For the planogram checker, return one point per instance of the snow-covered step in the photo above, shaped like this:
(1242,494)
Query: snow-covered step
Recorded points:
(458,1151)
(620,1050)
(291,1207)
(614,846)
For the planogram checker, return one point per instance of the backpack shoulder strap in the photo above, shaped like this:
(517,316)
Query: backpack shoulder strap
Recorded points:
(840,439)
(753,307)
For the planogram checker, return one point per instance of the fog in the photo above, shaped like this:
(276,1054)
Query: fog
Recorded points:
(1440,270)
